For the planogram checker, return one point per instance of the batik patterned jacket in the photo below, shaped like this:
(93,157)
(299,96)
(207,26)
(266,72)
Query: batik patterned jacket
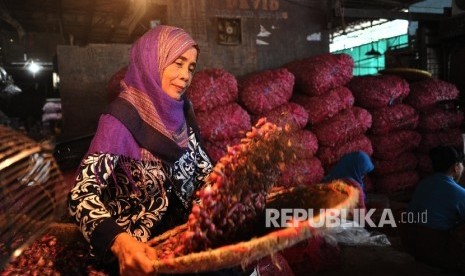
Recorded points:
(115,193)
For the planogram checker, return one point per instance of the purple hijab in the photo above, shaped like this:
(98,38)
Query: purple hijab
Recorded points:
(149,57)
(143,110)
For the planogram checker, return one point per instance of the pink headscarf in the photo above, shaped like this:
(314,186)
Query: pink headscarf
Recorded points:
(149,56)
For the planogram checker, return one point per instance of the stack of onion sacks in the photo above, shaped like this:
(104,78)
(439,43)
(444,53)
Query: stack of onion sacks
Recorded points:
(236,192)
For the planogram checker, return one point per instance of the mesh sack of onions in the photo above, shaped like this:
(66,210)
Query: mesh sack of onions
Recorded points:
(369,186)
(431,140)
(264,91)
(378,91)
(313,256)
(235,193)
(330,155)
(391,118)
(211,88)
(224,122)
(391,145)
(217,149)
(318,74)
(424,163)
(305,143)
(325,106)
(406,161)
(427,93)
(114,84)
(343,127)
(302,172)
(396,182)
(437,119)
(291,114)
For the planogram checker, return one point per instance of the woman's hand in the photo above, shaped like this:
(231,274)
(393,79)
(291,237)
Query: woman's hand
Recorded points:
(134,257)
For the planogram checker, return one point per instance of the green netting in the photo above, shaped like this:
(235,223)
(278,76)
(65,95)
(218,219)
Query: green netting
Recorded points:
(370,64)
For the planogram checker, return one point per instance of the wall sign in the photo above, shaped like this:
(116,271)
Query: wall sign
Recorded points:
(264,9)
(229,31)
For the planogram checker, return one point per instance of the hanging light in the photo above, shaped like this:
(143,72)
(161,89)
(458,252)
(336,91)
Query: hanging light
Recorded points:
(373,52)
(33,67)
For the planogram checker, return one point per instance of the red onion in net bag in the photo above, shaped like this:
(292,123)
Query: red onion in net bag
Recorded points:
(318,74)
(302,172)
(291,114)
(391,145)
(406,161)
(426,93)
(343,127)
(397,182)
(378,91)
(424,163)
(363,117)
(211,88)
(224,122)
(391,118)
(305,142)
(369,186)
(313,256)
(431,140)
(264,91)
(330,155)
(217,149)
(325,106)
(437,119)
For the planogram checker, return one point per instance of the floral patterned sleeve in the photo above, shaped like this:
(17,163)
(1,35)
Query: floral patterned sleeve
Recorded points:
(85,204)
(204,166)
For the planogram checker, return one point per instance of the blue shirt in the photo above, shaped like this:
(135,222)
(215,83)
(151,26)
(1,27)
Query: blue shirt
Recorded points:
(442,198)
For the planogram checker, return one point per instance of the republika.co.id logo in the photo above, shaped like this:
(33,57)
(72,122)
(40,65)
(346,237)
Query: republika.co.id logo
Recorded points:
(336,217)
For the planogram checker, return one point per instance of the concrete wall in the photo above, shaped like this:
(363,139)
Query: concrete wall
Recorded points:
(84,74)
(294,31)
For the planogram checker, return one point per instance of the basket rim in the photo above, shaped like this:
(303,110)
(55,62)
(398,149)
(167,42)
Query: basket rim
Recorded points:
(245,252)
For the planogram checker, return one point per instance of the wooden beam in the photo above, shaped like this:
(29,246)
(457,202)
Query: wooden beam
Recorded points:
(59,14)
(5,16)
(386,14)
(117,19)
(137,12)
(90,18)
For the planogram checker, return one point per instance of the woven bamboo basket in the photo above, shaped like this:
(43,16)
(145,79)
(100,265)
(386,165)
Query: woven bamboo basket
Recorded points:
(32,191)
(337,195)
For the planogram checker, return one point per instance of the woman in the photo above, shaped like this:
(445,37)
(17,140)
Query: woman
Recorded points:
(432,226)
(355,165)
(145,161)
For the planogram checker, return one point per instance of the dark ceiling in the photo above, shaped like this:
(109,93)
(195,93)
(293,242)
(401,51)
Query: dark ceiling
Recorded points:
(80,22)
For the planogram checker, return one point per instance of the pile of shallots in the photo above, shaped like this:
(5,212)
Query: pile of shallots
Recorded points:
(236,192)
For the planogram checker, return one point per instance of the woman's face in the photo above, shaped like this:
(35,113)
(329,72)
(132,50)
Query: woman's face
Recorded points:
(178,75)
